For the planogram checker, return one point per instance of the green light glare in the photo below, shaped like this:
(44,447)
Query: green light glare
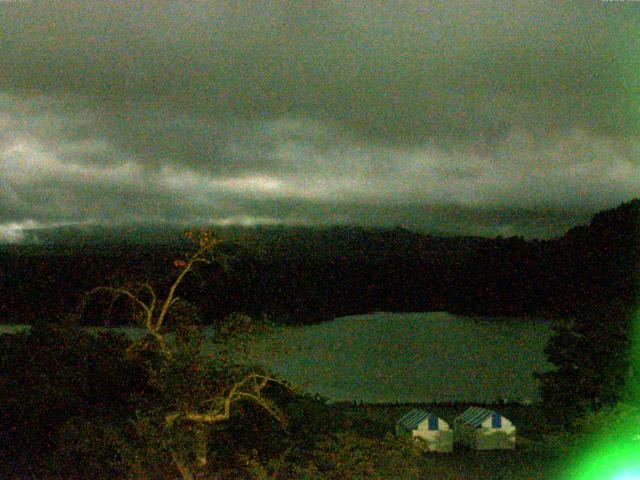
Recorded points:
(613,453)
(610,460)
(628,475)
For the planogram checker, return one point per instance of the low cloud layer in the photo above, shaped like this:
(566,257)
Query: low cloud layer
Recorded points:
(458,117)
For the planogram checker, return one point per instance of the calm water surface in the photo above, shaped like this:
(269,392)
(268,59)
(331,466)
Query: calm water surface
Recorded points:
(416,357)
(413,357)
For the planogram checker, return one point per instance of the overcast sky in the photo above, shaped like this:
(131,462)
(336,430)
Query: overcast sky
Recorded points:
(492,117)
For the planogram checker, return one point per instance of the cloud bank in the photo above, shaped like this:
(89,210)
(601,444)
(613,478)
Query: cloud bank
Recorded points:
(482,119)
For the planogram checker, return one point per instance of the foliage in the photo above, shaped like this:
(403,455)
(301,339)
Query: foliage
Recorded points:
(193,397)
(578,384)
(620,420)
(349,455)
(238,325)
(58,375)
(91,446)
(592,352)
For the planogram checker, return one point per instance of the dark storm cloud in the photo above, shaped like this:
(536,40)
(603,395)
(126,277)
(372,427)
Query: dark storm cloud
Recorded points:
(396,70)
(380,112)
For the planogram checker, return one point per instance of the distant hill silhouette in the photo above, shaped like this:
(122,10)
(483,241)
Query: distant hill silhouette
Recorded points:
(302,275)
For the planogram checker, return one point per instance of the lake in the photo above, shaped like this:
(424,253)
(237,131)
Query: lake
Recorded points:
(408,357)
(412,357)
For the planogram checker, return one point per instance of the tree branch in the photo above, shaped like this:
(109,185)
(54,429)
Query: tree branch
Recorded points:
(182,468)
(236,392)
(122,291)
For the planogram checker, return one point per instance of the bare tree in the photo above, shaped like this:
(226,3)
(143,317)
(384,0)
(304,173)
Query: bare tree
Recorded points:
(216,405)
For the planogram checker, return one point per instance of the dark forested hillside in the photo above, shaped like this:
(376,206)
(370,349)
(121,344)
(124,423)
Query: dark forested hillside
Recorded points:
(311,274)
(598,287)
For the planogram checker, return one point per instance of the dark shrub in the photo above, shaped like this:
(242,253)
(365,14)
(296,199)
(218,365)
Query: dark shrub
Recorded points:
(57,373)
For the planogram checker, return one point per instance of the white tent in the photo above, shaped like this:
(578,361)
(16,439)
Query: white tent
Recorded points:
(426,428)
(483,429)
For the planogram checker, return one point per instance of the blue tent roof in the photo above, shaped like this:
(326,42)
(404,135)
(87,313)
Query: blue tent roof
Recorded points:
(415,417)
(475,416)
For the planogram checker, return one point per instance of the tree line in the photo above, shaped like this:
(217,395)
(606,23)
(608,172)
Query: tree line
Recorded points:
(305,275)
